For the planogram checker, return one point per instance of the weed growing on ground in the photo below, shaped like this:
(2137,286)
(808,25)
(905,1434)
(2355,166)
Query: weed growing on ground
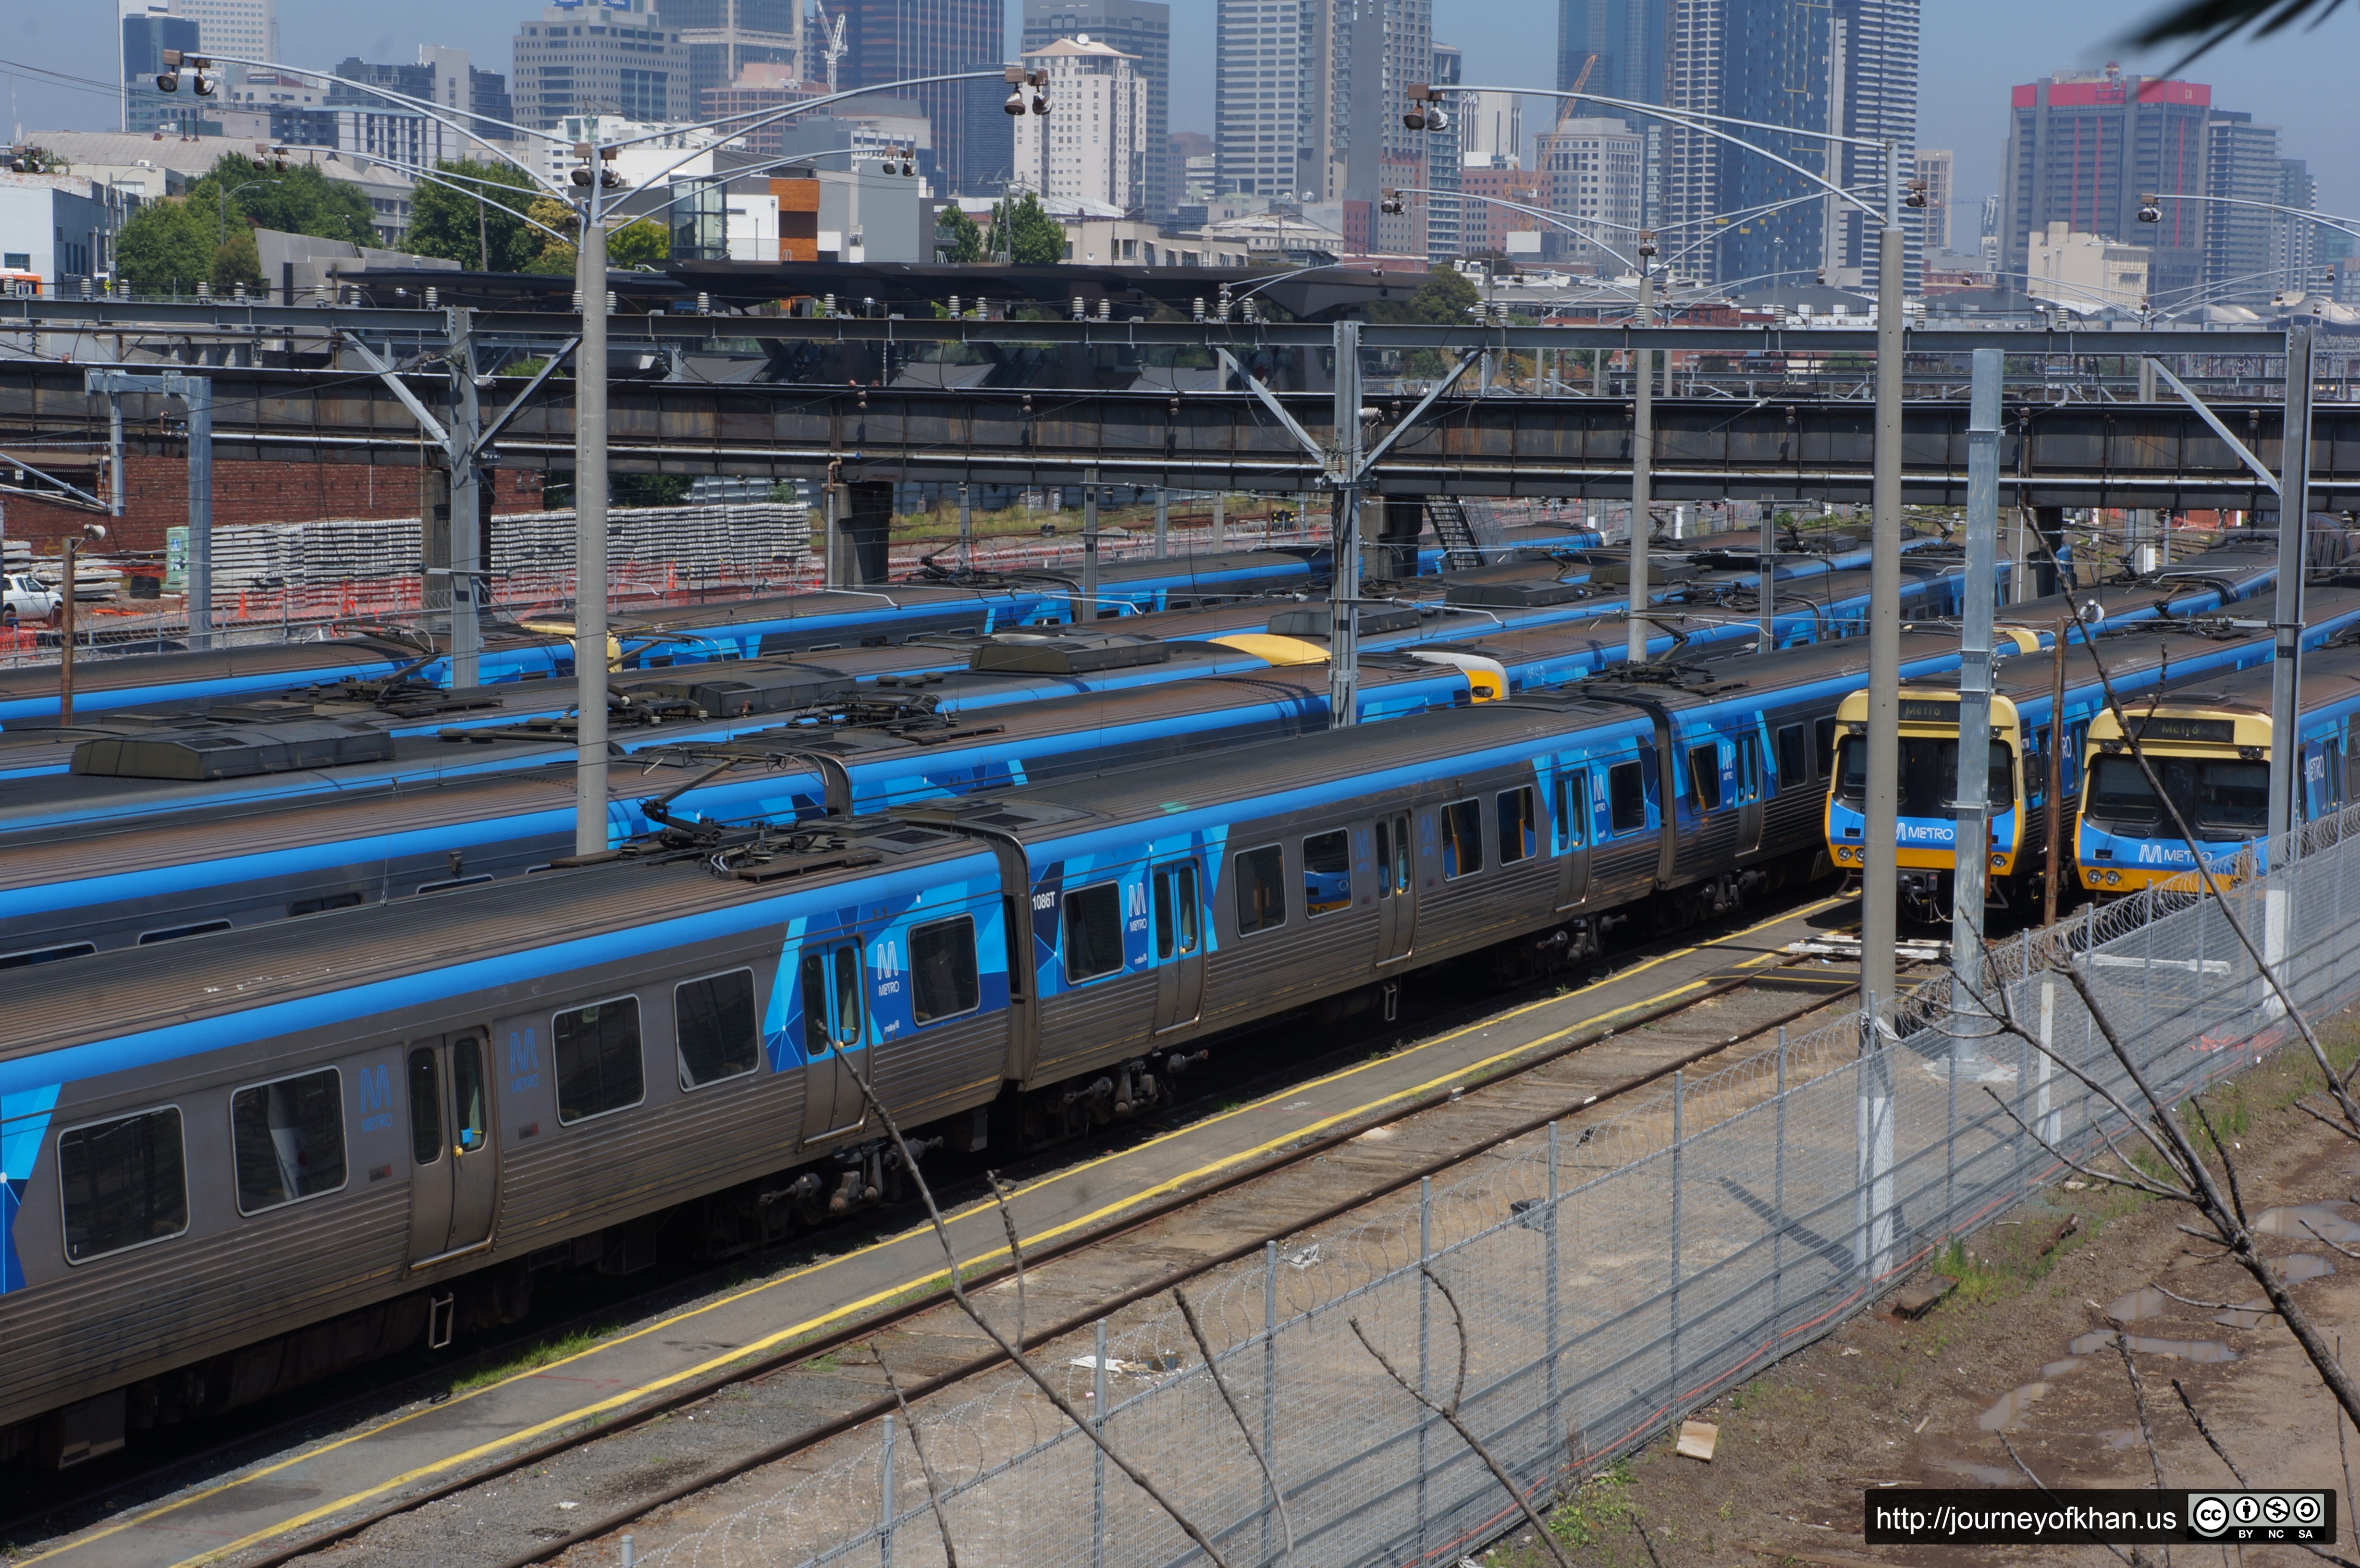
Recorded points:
(543,1355)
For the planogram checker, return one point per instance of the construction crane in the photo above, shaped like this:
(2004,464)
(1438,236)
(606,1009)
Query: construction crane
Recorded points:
(1583,80)
(832,42)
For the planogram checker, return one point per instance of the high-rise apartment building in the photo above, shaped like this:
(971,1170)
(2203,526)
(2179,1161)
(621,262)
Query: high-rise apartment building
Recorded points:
(2083,146)
(1491,130)
(1592,168)
(896,40)
(1934,167)
(2242,164)
(1141,29)
(1446,212)
(442,77)
(1271,96)
(616,57)
(1093,148)
(147,28)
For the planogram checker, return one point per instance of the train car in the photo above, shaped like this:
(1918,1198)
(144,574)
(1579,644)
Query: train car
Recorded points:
(2154,656)
(2211,747)
(175,831)
(283,1152)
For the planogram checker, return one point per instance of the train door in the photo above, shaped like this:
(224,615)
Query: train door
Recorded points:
(1571,827)
(455,1181)
(1178,914)
(1396,887)
(1746,790)
(834,1051)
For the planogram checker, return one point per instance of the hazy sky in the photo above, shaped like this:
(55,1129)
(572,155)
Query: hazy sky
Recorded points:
(1972,50)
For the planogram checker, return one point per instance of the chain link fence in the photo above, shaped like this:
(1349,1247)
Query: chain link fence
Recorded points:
(1612,1273)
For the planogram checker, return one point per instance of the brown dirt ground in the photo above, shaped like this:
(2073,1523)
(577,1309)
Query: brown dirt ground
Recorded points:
(1884,1400)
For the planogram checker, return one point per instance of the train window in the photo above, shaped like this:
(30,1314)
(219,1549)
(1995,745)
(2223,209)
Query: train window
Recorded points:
(1793,767)
(1393,854)
(1462,838)
(288,1139)
(1572,810)
(1704,776)
(33,955)
(942,970)
(447,883)
(1519,833)
(174,933)
(1175,909)
(1093,932)
(327,901)
(467,1096)
(1749,768)
(598,1066)
(1823,744)
(713,1026)
(1626,797)
(124,1183)
(1327,873)
(1261,889)
(425,1106)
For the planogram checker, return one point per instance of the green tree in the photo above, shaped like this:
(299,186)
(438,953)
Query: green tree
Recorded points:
(166,248)
(236,260)
(468,226)
(296,201)
(1026,234)
(957,237)
(636,243)
(1442,301)
(639,243)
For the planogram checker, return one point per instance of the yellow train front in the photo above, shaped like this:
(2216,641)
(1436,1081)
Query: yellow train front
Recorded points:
(1928,828)
(2212,756)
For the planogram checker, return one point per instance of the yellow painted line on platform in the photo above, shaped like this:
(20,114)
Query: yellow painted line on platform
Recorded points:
(787,1336)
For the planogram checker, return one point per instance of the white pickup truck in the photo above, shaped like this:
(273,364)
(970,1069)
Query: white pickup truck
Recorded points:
(24,597)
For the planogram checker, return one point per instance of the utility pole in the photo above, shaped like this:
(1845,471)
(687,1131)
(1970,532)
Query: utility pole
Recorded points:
(1643,456)
(1344,595)
(590,524)
(2286,612)
(1090,607)
(1879,911)
(467,565)
(1970,843)
(196,394)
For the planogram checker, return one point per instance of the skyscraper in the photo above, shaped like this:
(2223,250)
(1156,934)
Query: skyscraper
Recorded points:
(1849,66)
(1592,168)
(147,28)
(245,28)
(2294,241)
(1141,29)
(895,41)
(2083,146)
(723,37)
(615,58)
(1617,44)
(1270,122)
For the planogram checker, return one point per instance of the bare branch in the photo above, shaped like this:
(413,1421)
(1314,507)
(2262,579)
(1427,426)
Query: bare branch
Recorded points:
(2231,1228)
(1532,1517)
(1015,1248)
(1014,1352)
(1269,1476)
(2036,1481)
(2266,1310)
(2228,1166)
(1652,1555)
(2325,1242)
(2139,1184)
(2138,1398)
(1458,1322)
(2343,1127)
(925,1464)
(2341,1457)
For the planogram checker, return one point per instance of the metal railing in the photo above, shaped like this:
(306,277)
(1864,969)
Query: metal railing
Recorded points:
(1614,1273)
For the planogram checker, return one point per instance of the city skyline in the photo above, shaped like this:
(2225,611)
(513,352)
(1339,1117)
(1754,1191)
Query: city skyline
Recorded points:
(1962,101)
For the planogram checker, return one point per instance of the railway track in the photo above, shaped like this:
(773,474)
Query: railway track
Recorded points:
(1543,1062)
